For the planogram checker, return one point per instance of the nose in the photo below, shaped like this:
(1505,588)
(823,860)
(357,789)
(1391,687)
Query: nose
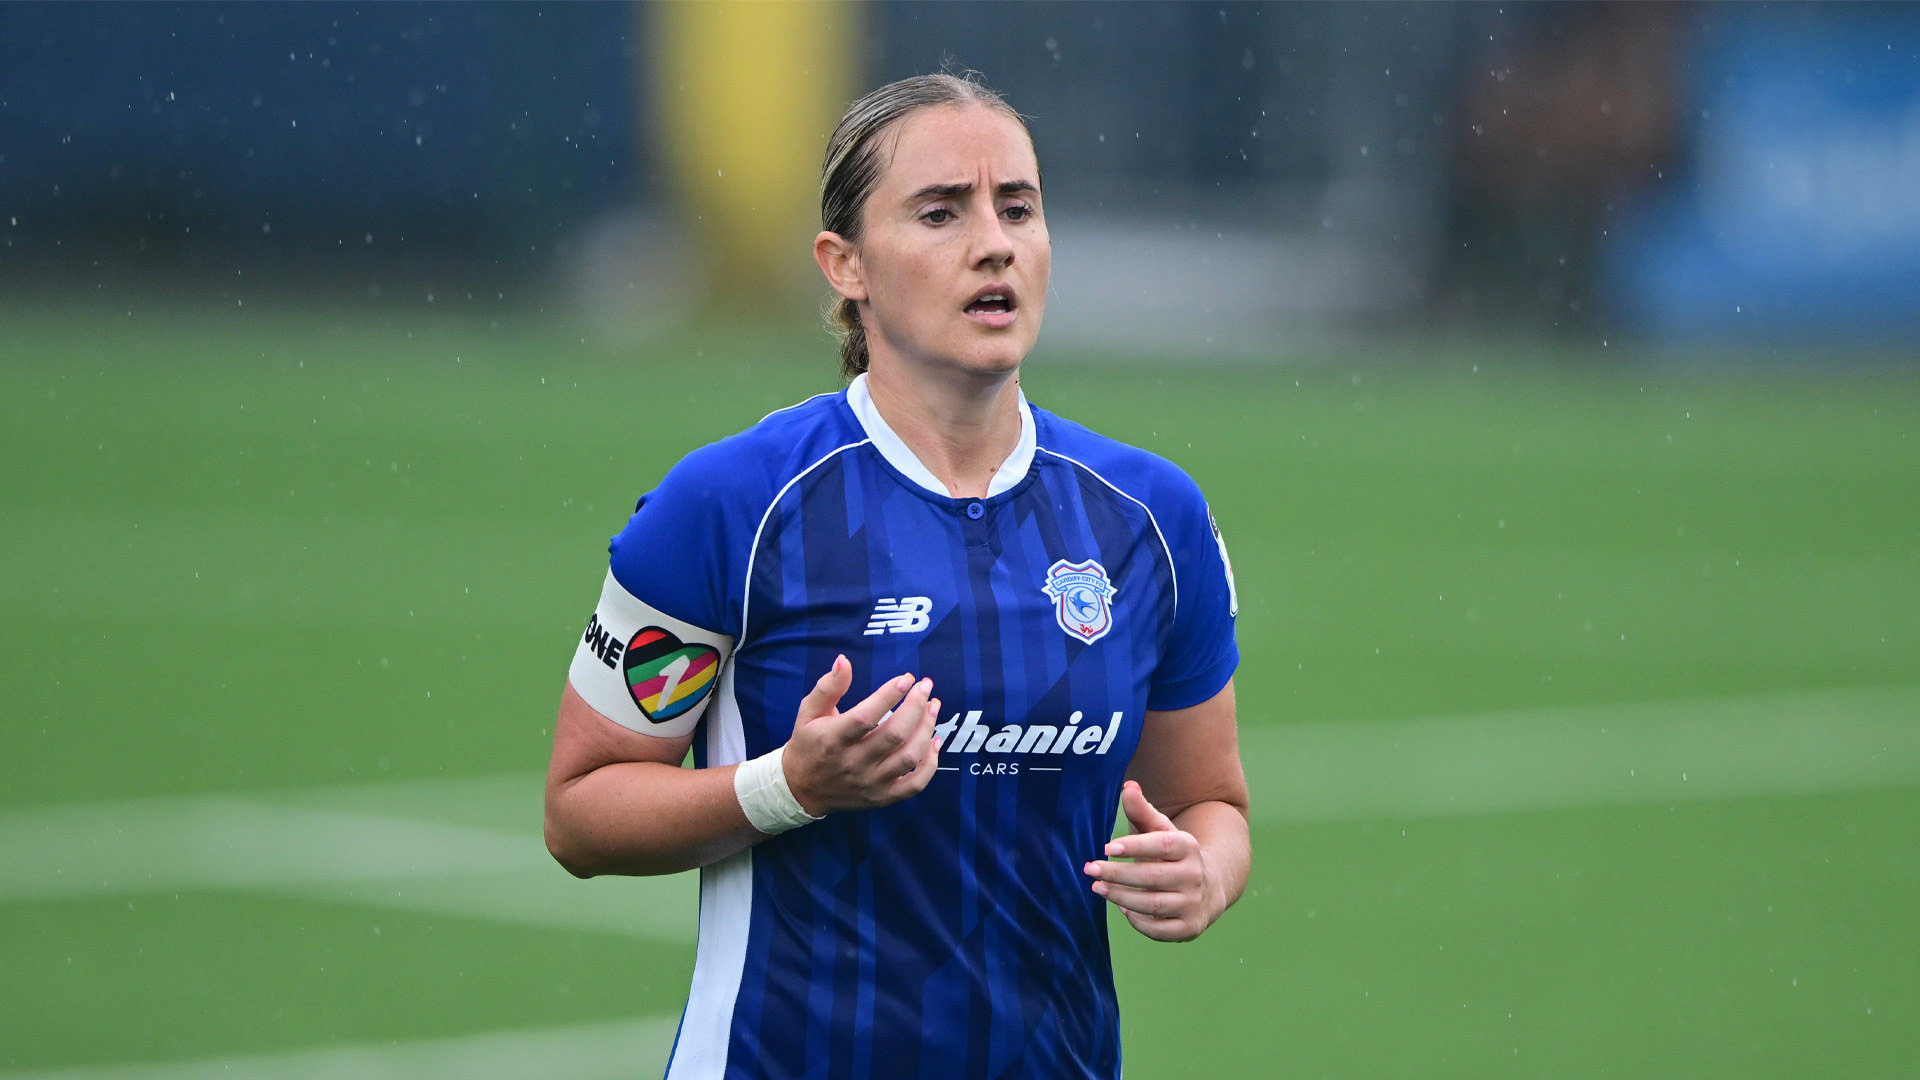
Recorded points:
(992,247)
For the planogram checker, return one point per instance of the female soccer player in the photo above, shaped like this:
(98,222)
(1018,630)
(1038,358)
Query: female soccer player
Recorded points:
(1036,622)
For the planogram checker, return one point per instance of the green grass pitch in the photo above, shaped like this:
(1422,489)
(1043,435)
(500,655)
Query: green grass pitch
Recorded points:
(277,579)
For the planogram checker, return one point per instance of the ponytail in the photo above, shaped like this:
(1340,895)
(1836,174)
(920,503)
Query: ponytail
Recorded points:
(843,315)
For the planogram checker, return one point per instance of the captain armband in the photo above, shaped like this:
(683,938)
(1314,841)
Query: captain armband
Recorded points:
(644,669)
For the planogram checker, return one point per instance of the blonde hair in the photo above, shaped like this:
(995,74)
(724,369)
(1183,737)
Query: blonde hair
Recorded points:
(853,166)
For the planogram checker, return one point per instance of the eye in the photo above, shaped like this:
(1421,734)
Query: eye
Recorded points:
(939,215)
(1018,212)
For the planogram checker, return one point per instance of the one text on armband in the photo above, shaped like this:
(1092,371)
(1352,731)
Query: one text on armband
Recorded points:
(606,646)
(965,734)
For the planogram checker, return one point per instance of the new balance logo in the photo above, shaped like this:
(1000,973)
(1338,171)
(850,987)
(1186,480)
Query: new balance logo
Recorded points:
(907,615)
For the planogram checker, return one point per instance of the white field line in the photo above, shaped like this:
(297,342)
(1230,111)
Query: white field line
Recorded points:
(472,847)
(622,1050)
(165,845)
(299,844)
(1654,753)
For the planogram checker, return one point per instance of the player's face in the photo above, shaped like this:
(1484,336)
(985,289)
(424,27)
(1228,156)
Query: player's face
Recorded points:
(956,255)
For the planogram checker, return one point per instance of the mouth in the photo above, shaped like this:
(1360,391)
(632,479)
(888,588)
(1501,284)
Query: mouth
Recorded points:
(994,305)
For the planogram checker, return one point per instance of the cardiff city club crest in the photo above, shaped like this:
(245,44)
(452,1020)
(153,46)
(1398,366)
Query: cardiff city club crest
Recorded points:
(1081,592)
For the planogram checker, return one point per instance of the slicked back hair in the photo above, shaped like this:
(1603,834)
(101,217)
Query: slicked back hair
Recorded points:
(852,171)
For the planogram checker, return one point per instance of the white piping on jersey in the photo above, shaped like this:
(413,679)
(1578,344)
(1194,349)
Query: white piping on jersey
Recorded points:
(797,404)
(726,915)
(900,456)
(746,595)
(1171,571)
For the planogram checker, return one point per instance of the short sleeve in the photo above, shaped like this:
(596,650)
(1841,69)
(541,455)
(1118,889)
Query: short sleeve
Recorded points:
(1201,653)
(679,547)
(660,635)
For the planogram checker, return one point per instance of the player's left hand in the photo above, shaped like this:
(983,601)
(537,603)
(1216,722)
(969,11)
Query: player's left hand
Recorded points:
(1165,891)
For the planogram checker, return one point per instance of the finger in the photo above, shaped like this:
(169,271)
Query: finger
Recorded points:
(1159,876)
(921,731)
(1141,814)
(865,716)
(849,726)
(1168,846)
(918,759)
(915,739)
(1179,874)
(916,781)
(1160,905)
(929,764)
(909,726)
(906,716)
(1161,929)
(893,729)
(827,692)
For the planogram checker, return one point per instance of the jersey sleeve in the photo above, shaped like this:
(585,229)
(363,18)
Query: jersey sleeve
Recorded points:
(1201,654)
(661,634)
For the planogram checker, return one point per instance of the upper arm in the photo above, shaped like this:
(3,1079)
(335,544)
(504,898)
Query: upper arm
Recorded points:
(584,740)
(649,664)
(643,669)
(662,632)
(1191,755)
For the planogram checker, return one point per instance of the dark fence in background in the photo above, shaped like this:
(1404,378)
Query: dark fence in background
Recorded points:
(1144,101)
(183,129)
(1688,172)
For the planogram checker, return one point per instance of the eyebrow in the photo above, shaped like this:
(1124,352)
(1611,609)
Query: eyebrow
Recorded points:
(1009,187)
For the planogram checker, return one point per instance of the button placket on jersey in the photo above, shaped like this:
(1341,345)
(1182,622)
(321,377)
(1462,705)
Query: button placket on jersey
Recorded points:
(977,531)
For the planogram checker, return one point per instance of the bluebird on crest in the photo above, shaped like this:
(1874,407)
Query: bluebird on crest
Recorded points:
(1081,591)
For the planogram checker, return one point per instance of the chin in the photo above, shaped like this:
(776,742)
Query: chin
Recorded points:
(993,353)
(997,358)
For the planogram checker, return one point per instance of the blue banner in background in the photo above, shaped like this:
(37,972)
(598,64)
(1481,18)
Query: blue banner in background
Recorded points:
(1802,215)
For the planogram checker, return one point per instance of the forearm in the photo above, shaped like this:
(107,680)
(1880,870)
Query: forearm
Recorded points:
(1220,828)
(644,818)
(618,802)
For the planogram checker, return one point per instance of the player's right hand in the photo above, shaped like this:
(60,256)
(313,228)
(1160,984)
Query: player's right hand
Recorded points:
(861,758)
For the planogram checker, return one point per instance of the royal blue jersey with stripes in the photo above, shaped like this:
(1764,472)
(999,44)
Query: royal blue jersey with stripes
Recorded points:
(953,934)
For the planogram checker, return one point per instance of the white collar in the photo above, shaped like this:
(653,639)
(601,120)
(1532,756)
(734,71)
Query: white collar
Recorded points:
(895,450)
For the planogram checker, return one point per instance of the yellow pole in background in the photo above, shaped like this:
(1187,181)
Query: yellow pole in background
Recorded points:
(749,90)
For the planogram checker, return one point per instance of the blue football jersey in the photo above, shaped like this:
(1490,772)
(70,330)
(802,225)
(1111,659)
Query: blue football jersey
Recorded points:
(952,934)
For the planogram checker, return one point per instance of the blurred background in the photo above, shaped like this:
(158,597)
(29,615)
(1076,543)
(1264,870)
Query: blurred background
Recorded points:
(1551,369)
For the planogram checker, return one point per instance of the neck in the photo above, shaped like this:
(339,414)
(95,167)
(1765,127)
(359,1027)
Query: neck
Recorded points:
(962,428)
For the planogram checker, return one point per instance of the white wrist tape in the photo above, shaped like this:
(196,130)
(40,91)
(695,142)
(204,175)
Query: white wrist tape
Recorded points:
(761,787)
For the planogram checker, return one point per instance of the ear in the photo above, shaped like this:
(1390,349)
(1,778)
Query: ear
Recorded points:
(840,261)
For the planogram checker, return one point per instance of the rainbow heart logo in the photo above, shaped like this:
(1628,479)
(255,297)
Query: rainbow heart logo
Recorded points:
(667,676)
